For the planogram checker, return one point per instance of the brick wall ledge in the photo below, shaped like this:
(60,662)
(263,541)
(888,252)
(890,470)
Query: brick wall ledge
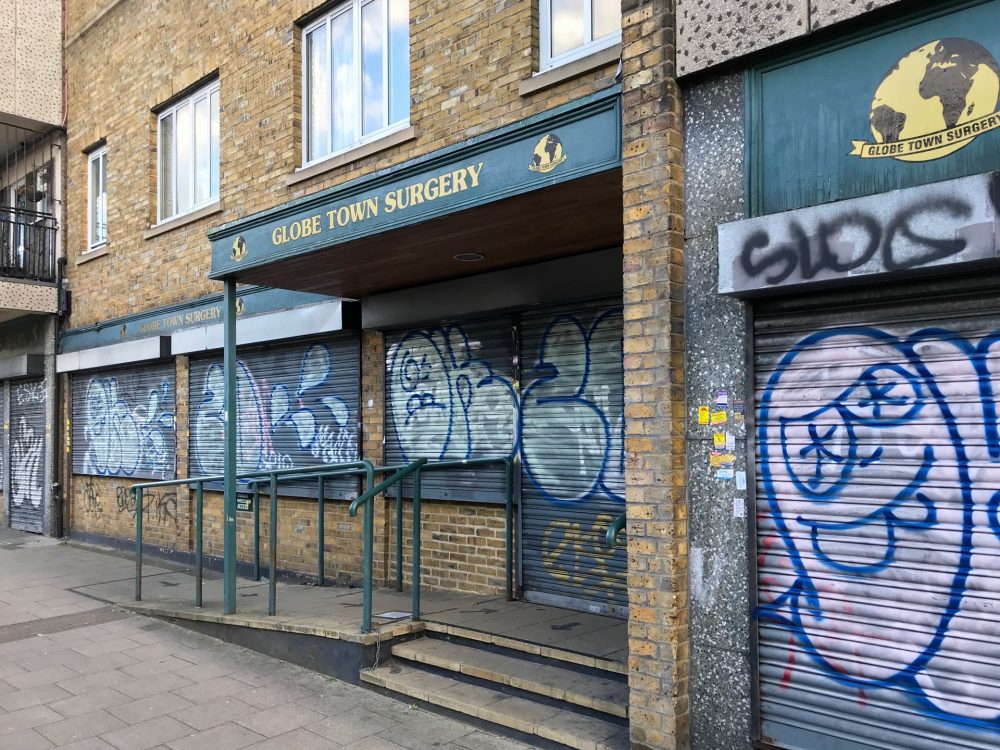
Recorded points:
(188,218)
(366,149)
(599,59)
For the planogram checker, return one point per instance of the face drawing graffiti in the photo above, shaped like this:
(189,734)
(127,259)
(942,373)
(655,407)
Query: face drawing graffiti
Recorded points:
(875,451)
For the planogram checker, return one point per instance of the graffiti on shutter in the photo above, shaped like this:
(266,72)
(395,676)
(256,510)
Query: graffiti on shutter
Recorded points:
(879,530)
(296,406)
(27,454)
(123,422)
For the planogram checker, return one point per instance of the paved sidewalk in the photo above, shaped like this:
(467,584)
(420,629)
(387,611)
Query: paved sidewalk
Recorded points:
(78,673)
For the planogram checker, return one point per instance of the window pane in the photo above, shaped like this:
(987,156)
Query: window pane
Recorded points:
(184,167)
(399,60)
(318,91)
(202,150)
(166,147)
(607,17)
(373,64)
(214,166)
(345,102)
(95,188)
(102,200)
(567,26)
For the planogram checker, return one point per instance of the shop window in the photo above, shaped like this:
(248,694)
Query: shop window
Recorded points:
(188,153)
(356,76)
(97,201)
(571,29)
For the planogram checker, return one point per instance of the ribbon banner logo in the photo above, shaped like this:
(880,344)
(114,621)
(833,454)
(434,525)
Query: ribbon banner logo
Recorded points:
(938,98)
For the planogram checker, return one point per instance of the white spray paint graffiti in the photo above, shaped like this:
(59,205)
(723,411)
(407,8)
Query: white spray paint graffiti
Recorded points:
(26,466)
(293,424)
(30,393)
(125,438)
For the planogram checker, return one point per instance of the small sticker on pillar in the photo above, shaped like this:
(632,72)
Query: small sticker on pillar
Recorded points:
(719,440)
(703,413)
(739,507)
(722,399)
(715,459)
(724,475)
(719,417)
(728,460)
(730,441)
(741,480)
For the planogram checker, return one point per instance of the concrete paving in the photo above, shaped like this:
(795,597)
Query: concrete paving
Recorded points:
(80,674)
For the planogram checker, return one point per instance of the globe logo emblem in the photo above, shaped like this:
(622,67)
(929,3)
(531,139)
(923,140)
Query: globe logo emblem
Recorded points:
(936,100)
(239,248)
(548,154)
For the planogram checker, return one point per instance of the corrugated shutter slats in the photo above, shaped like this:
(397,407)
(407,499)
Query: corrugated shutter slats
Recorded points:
(27,454)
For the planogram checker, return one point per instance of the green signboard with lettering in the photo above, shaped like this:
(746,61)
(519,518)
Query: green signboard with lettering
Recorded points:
(893,108)
(572,141)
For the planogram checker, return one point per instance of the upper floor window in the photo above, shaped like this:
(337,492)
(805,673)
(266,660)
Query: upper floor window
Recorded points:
(97,200)
(356,75)
(571,29)
(188,146)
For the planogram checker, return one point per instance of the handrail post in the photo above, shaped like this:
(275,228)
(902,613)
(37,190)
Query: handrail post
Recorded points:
(320,531)
(229,365)
(199,520)
(138,543)
(509,527)
(415,583)
(256,530)
(369,543)
(399,535)
(272,550)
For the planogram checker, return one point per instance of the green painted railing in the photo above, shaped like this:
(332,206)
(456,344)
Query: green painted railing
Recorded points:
(272,479)
(614,529)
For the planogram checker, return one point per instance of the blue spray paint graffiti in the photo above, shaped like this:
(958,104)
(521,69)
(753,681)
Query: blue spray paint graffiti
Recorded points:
(126,433)
(445,403)
(280,425)
(877,462)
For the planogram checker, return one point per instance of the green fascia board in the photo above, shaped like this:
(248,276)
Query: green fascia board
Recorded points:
(159,321)
(590,129)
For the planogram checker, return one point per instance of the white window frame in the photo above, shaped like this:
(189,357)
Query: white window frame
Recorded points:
(192,99)
(589,46)
(100,156)
(327,20)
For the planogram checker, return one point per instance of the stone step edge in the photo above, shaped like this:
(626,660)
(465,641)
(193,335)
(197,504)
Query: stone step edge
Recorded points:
(407,685)
(411,651)
(513,644)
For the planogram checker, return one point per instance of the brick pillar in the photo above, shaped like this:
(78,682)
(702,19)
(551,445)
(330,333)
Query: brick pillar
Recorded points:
(654,377)
(185,494)
(372,444)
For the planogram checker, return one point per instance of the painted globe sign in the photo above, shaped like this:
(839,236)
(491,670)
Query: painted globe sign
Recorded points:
(938,98)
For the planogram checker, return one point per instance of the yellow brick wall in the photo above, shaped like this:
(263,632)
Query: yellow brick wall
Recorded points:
(466,57)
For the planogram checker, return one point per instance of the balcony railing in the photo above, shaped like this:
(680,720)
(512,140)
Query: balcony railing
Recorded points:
(27,245)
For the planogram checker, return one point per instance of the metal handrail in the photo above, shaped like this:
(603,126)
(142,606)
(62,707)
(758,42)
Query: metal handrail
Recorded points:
(614,529)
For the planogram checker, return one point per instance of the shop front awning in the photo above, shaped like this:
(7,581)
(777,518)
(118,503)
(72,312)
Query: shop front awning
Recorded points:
(543,188)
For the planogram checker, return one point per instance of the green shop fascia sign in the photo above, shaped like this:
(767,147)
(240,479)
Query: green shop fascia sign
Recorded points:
(887,108)
(566,143)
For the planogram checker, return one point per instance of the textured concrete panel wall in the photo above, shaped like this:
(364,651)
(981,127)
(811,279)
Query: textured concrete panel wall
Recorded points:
(31,59)
(719,519)
(711,32)
(17,295)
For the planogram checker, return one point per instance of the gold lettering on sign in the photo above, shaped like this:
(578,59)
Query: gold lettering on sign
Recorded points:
(399,199)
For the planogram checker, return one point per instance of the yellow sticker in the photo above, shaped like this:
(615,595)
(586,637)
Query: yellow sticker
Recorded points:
(719,440)
(715,459)
(719,417)
(703,415)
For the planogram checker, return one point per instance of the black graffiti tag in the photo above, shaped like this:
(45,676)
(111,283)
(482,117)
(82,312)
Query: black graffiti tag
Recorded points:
(807,254)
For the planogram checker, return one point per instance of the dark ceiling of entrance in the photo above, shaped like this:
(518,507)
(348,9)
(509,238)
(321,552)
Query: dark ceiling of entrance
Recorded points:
(584,214)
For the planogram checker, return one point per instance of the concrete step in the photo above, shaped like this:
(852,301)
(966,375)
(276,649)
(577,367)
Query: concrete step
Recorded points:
(592,691)
(555,725)
(536,649)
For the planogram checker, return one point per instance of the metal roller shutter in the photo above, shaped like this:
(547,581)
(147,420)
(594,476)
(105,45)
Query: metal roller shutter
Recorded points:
(878,531)
(123,422)
(297,406)
(449,396)
(573,459)
(27,454)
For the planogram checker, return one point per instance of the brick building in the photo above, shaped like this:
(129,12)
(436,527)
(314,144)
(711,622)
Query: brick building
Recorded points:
(421,203)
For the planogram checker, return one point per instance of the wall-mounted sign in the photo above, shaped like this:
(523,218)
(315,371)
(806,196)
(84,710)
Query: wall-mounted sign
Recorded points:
(914,105)
(244,501)
(529,155)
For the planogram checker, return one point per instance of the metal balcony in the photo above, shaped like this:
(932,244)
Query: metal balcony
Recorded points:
(27,245)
